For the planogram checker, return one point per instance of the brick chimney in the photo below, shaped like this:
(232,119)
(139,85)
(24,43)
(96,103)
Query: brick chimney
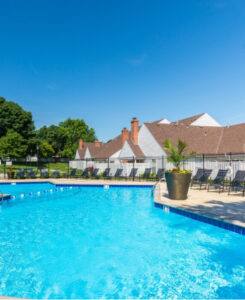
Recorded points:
(97,144)
(134,130)
(80,144)
(125,135)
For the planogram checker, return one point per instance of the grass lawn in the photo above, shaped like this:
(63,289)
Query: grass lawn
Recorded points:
(33,165)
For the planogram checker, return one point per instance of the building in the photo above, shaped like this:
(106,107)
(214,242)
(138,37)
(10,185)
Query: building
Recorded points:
(202,133)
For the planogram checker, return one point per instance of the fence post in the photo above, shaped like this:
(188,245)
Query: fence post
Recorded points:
(230,166)
(133,168)
(203,162)
(4,169)
(68,175)
(108,162)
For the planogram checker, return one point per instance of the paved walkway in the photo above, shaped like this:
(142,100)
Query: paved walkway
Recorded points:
(229,208)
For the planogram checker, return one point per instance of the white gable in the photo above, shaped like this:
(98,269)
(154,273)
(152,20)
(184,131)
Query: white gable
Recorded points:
(87,154)
(126,151)
(148,143)
(164,121)
(116,154)
(206,120)
(77,156)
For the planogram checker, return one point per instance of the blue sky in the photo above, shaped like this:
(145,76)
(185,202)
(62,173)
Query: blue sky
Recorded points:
(108,61)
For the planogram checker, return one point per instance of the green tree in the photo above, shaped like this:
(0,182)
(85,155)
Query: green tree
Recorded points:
(13,116)
(13,145)
(64,138)
(54,135)
(46,150)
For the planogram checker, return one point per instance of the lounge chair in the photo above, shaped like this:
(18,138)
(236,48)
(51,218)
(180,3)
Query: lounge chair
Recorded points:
(56,173)
(107,173)
(85,173)
(133,173)
(118,173)
(237,183)
(30,173)
(95,173)
(160,173)
(44,173)
(20,174)
(73,173)
(203,179)
(218,182)
(147,173)
(198,175)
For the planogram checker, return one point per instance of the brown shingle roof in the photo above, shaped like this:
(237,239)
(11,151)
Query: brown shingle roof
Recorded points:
(136,149)
(92,149)
(188,121)
(233,139)
(199,139)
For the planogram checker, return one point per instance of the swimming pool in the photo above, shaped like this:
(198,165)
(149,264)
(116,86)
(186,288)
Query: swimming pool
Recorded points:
(91,242)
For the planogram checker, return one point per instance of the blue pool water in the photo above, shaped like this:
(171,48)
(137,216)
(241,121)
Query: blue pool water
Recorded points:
(91,242)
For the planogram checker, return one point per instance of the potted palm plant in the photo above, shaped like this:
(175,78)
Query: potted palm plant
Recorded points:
(178,181)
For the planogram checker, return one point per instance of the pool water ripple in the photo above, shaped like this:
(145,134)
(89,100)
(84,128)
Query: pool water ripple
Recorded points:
(90,242)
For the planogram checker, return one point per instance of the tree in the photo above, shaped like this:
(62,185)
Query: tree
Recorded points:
(46,150)
(13,116)
(64,138)
(54,135)
(13,145)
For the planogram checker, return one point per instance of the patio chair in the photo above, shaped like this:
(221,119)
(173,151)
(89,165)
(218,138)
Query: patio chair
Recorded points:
(56,173)
(31,173)
(160,173)
(107,173)
(118,173)
(85,173)
(95,173)
(44,173)
(20,174)
(147,173)
(133,173)
(203,179)
(198,175)
(237,183)
(73,173)
(218,181)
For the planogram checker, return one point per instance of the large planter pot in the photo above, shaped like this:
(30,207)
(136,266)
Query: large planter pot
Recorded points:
(178,185)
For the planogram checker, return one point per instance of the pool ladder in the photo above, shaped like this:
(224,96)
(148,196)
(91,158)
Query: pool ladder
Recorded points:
(154,186)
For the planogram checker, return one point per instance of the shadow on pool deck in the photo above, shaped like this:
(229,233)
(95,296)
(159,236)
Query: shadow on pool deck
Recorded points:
(229,208)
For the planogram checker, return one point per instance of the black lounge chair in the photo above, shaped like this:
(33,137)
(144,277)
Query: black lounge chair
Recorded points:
(237,183)
(218,182)
(133,173)
(20,174)
(85,173)
(147,173)
(56,173)
(30,173)
(203,179)
(118,173)
(107,173)
(160,173)
(44,173)
(95,173)
(198,175)
(73,173)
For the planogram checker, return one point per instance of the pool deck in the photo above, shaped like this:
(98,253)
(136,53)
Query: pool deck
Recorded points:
(228,208)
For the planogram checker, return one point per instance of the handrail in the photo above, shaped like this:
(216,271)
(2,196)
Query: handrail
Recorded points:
(154,186)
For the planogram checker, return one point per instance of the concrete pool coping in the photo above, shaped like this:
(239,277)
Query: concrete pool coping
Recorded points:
(219,209)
